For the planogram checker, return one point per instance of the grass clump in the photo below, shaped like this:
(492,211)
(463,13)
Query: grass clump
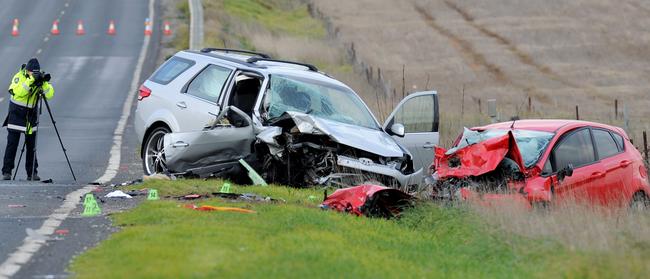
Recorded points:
(280,17)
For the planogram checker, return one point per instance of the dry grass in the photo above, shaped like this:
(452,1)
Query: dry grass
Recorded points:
(579,227)
(559,53)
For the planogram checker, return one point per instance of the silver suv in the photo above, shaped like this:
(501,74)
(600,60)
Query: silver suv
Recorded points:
(217,112)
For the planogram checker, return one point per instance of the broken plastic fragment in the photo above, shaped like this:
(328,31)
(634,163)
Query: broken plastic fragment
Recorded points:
(118,194)
(218,208)
(254,176)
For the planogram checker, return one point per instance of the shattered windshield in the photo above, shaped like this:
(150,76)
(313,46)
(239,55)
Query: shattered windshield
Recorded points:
(531,144)
(313,97)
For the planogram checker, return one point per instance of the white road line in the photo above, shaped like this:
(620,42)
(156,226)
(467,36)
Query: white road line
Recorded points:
(46,39)
(30,246)
(39,51)
(2,99)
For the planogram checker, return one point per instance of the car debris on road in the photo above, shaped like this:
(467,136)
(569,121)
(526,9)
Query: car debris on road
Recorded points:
(369,201)
(218,208)
(118,194)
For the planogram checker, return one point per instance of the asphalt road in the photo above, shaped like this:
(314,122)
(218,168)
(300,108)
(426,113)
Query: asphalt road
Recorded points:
(92,77)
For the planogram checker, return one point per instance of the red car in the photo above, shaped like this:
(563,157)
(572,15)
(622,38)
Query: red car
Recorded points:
(543,162)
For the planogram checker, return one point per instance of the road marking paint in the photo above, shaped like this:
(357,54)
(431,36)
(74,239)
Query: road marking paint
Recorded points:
(63,12)
(2,99)
(46,39)
(31,246)
(114,161)
(39,51)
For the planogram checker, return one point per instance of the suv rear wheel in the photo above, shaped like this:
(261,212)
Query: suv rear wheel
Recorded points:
(153,160)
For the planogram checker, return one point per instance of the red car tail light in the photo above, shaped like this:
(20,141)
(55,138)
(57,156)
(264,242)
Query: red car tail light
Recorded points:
(144,92)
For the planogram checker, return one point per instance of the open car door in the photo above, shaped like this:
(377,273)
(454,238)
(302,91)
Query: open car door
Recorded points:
(414,124)
(215,149)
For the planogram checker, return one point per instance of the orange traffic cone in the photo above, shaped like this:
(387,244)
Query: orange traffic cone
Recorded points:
(55,28)
(147,27)
(167,30)
(14,29)
(111,28)
(80,28)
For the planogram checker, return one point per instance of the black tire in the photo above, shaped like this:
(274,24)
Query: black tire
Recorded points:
(153,156)
(640,202)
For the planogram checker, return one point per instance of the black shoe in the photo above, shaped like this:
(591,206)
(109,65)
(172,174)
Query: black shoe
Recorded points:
(6,176)
(33,178)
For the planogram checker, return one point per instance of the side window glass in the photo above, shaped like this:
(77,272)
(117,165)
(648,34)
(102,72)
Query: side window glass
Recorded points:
(209,83)
(171,69)
(576,149)
(417,115)
(619,141)
(604,143)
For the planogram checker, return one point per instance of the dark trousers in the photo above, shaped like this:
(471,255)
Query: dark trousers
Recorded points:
(13,138)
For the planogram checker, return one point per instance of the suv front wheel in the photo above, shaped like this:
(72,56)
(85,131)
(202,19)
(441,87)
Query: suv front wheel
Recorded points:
(153,160)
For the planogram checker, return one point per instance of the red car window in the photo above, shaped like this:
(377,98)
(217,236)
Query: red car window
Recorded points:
(576,149)
(605,144)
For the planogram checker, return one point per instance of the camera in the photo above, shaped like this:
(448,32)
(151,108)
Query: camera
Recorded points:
(40,77)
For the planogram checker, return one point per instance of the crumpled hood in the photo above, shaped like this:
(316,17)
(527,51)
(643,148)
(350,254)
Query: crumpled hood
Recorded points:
(477,159)
(373,141)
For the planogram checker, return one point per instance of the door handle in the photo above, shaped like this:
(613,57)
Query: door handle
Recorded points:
(597,174)
(181,105)
(625,163)
(428,145)
(180,144)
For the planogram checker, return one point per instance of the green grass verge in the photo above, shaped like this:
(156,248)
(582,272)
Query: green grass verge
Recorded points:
(161,239)
(279,16)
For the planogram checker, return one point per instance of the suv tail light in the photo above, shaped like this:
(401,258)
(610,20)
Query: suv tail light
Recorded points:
(144,92)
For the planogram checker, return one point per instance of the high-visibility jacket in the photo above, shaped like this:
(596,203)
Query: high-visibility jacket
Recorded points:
(22,115)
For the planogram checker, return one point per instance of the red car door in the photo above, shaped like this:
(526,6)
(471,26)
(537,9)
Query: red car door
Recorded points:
(612,167)
(575,149)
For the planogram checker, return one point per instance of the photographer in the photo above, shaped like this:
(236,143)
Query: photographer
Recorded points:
(25,88)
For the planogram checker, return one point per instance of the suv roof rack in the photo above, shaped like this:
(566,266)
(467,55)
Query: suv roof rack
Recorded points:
(256,59)
(211,49)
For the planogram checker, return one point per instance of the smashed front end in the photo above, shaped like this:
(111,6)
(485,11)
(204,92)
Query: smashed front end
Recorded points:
(484,169)
(303,150)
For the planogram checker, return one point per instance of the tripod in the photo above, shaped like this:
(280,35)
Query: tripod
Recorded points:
(40,98)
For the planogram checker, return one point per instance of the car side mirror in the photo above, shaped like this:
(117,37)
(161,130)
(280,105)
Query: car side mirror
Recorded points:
(565,172)
(397,130)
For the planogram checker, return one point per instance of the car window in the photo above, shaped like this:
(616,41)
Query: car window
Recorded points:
(317,98)
(417,115)
(209,83)
(605,144)
(619,141)
(171,69)
(576,149)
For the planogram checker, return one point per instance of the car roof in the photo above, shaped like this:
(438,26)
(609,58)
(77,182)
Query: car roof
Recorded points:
(240,60)
(548,125)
